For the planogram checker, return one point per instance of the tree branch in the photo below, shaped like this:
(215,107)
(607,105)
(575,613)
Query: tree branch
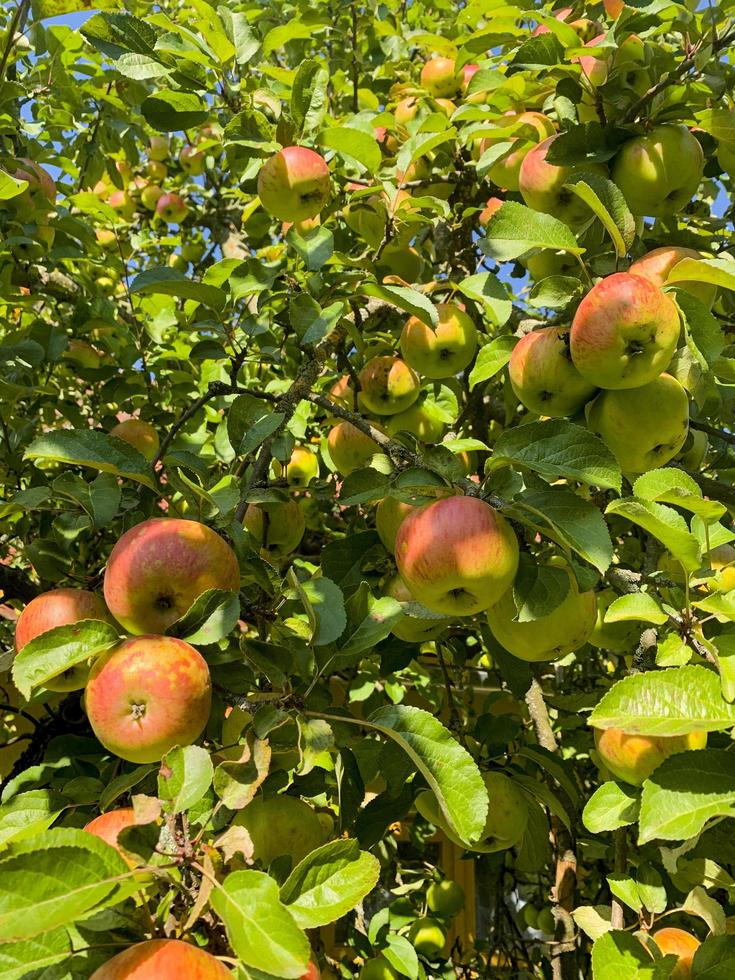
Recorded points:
(710,430)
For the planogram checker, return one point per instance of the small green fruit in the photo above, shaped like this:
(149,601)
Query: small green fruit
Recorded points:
(446,898)
(427,937)
(378,969)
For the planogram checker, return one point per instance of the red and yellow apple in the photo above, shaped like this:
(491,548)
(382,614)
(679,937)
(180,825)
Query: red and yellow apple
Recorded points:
(543,376)
(493,205)
(294,184)
(506,171)
(442,351)
(440,78)
(657,265)
(163,959)
(387,385)
(172,208)
(542,185)
(107,826)
(633,758)
(192,160)
(138,434)
(158,148)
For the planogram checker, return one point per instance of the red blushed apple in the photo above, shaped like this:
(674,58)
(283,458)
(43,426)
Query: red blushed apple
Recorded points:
(60,607)
(139,434)
(158,568)
(293,185)
(147,695)
(543,376)
(172,208)
(494,204)
(506,171)
(122,203)
(342,393)
(406,110)
(658,265)
(108,825)
(441,351)
(633,758)
(163,959)
(624,332)
(682,944)
(613,8)
(542,185)
(457,556)
(192,160)
(440,78)
(312,972)
(40,183)
(387,386)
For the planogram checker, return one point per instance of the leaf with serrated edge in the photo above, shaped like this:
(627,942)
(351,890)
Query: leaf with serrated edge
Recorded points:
(611,806)
(59,649)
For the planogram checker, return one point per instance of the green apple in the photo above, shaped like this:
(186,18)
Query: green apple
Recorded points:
(302,468)
(420,421)
(192,160)
(442,351)
(543,376)
(412,629)
(281,824)
(694,450)
(276,528)
(621,637)
(445,898)
(158,148)
(350,448)
(378,968)
(660,172)
(387,386)
(644,427)
(427,937)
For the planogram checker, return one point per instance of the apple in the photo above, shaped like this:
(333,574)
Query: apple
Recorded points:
(172,208)
(122,203)
(412,629)
(159,959)
(378,968)
(682,944)
(41,240)
(312,972)
(644,427)
(139,434)
(401,261)
(387,386)
(125,170)
(631,66)
(177,261)
(546,263)
(542,185)
(694,450)
(725,157)
(147,695)
(302,467)
(445,898)
(281,824)
(543,376)
(624,332)
(294,184)
(107,826)
(60,607)
(660,172)
(391,512)
(440,78)
(192,161)
(82,353)
(657,265)
(193,251)
(277,528)
(722,561)
(342,393)
(595,69)
(456,555)
(613,8)
(150,196)
(106,238)
(493,205)
(506,820)
(160,567)
(506,171)
(427,937)
(442,351)
(41,186)
(158,149)
(419,421)
(633,758)
(564,630)
(406,110)
(621,637)
(349,448)
(156,171)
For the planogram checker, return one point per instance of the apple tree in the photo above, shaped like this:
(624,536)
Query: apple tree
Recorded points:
(366,489)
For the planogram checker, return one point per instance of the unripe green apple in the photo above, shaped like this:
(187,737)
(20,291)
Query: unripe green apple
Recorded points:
(158,148)
(412,629)
(547,263)
(281,824)
(633,758)
(418,420)
(441,351)
(139,434)
(530,916)
(445,898)
(620,637)
(644,427)
(378,968)
(150,196)
(156,171)
(564,630)
(660,172)
(440,78)
(349,448)
(427,937)
(192,160)
(406,110)
(276,528)
(624,332)
(387,386)
(193,251)
(543,376)
(542,185)
(177,261)
(660,263)
(694,450)
(294,184)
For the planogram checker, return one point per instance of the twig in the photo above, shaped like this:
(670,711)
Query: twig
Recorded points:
(355,100)
(710,430)
(617,919)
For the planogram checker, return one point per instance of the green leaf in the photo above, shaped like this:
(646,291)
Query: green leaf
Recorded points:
(114,34)
(169,111)
(674,486)
(675,701)
(87,447)
(491,358)
(185,776)
(593,920)
(607,203)
(329,882)
(245,42)
(409,300)
(538,589)
(638,606)
(328,604)
(261,930)
(555,292)
(686,791)
(10,187)
(59,649)
(725,646)
(53,879)
(32,958)
(611,806)
(618,956)
(557,448)
(315,247)
(663,523)
(538,52)
(492,295)
(515,229)
(715,959)
(211,617)
(310,321)
(624,887)
(170,282)
(294,30)
(569,520)
(401,955)
(237,779)
(381,616)
(28,814)
(704,335)
(353,143)
(419,145)
(719,272)
(342,559)
(449,769)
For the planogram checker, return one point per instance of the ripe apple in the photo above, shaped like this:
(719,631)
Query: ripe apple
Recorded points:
(658,265)
(493,205)
(159,959)
(349,448)
(633,758)
(172,208)
(543,376)
(412,629)
(595,69)
(147,695)
(281,824)
(440,78)
(660,172)
(108,825)
(160,567)
(60,607)
(542,185)
(192,161)
(302,467)
(427,937)
(621,637)
(440,352)
(681,943)
(41,186)
(277,529)
(418,420)
(613,8)
(506,171)
(445,897)
(406,110)
(139,434)
(644,427)
(106,238)
(122,203)
(294,184)
(387,386)
(378,968)
(457,555)
(150,196)
(158,148)
(156,171)
(312,972)
(342,393)
(624,332)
